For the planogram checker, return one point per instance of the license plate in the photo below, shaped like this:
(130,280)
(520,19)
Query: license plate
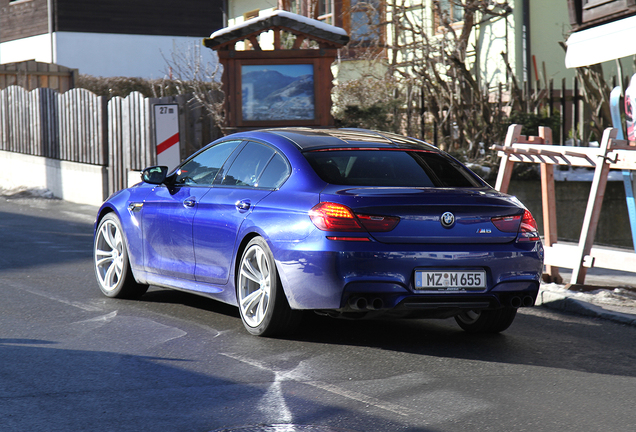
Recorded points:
(450,280)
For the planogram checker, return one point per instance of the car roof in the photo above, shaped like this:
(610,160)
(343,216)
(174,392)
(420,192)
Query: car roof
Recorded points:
(314,139)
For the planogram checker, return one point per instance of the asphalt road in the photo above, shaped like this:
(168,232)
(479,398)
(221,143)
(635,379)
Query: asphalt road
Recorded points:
(73,360)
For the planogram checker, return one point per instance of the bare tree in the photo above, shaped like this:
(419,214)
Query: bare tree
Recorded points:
(192,75)
(426,51)
(455,97)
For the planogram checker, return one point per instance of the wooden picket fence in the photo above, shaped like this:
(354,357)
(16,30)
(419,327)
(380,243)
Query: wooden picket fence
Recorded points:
(79,126)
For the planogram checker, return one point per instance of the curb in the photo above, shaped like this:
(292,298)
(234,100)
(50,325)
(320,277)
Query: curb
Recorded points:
(563,302)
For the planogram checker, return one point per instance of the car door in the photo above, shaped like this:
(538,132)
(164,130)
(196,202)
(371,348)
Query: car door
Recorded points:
(169,210)
(255,173)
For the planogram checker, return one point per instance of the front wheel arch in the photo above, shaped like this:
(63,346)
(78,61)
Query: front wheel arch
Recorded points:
(111,260)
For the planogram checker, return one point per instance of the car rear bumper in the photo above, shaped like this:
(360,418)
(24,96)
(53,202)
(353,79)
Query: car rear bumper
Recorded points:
(404,303)
(383,280)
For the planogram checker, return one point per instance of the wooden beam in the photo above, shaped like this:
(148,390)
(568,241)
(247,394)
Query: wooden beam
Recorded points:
(548,201)
(593,210)
(298,42)
(506,165)
(563,255)
(254,41)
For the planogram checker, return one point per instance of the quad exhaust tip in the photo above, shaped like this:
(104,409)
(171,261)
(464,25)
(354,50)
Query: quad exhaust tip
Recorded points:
(525,301)
(361,303)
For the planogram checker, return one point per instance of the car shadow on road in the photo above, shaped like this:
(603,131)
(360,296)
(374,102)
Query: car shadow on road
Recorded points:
(537,337)
(73,389)
(174,297)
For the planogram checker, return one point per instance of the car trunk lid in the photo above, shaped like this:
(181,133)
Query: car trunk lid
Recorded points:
(467,212)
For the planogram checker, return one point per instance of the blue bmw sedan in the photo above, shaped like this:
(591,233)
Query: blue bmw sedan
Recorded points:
(343,222)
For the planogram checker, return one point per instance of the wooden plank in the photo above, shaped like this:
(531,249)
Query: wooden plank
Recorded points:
(561,255)
(593,210)
(254,41)
(620,156)
(54,80)
(229,88)
(613,259)
(320,93)
(115,144)
(506,164)
(548,201)
(565,256)
(35,124)
(298,42)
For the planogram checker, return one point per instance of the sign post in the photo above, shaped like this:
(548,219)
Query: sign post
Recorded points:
(167,135)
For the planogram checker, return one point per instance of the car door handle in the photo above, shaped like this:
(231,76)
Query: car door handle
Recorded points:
(190,202)
(243,205)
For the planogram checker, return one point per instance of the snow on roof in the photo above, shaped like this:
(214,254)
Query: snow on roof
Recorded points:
(282,18)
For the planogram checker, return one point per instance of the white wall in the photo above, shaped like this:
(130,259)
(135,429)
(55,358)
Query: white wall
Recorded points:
(70,181)
(36,48)
(104,54)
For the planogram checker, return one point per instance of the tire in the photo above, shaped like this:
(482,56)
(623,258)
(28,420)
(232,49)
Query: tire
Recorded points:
(111,262)
(486,321)
(262,303)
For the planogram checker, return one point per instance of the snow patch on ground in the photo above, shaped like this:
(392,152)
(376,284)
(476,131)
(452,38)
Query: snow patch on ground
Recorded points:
(619,296)
(24,192)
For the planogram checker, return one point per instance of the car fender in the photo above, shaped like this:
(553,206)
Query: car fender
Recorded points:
(127,204)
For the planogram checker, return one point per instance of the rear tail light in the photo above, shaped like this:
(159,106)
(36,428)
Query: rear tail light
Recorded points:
(329,216)
(524,225)
(528,230)
(334,217)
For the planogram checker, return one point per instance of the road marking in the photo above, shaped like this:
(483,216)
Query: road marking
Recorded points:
(105,318)
(76,304)
(358,397)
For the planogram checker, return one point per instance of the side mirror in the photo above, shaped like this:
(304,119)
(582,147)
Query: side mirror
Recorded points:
(155,175)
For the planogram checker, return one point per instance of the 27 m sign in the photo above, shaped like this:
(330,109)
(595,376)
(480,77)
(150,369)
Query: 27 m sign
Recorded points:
(167,135)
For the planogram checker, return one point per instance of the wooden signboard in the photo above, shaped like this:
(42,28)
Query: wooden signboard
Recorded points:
(287,86)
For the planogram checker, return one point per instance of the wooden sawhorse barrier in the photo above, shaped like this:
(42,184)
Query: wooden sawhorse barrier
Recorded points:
(611,154)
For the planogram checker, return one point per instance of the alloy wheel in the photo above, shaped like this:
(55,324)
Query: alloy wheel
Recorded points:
(255,285)
(109,255)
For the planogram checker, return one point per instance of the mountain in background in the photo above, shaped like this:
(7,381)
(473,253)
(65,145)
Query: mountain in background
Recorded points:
(260,84)
(270,95)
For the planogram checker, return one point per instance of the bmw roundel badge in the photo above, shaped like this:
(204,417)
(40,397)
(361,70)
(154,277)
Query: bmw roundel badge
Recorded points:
(447,219)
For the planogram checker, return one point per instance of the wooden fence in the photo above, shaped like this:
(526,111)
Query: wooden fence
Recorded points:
(79,126)
(31,75)
(563,99)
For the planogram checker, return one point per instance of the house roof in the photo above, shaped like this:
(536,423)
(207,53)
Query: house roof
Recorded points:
(278,18)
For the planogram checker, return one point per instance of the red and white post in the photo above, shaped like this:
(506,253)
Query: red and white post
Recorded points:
(167,135)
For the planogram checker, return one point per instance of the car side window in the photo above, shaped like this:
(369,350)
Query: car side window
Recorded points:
(203,167)
(249,165)
(275,173)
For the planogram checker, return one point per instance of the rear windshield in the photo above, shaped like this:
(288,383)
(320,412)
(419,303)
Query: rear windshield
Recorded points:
(393,168)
